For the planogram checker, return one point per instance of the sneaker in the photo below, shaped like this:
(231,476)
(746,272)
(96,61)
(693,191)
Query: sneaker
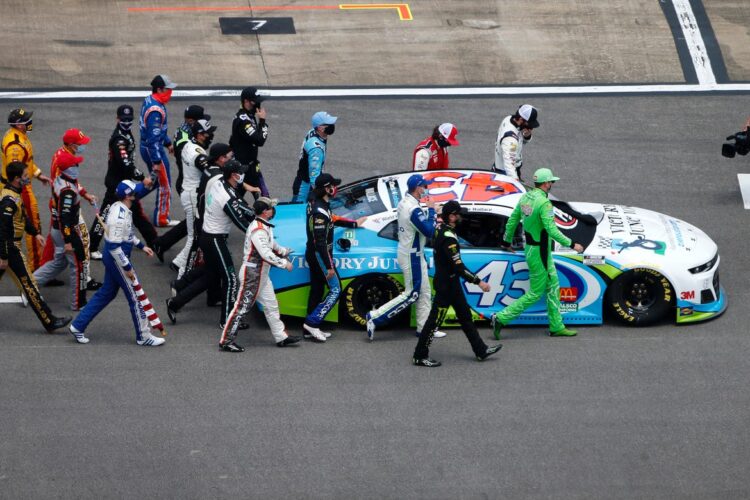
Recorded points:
(55,282)
(490,351)
(313,333)
(565,332)
(92,285)
(79,336)
(428,362)
(96,255)
(173,223)
(370,328)
(171,312)
(149,340)
(496,326)
(231,347)
(58,323)
(174,267)
(288,341)
(437,335)
(173,288)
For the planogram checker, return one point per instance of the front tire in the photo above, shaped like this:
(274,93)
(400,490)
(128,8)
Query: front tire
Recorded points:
(640,297)
(367,293)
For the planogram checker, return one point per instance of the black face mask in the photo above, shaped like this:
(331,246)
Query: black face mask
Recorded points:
(208,141)
(442,142)
(125,126)
(330,129)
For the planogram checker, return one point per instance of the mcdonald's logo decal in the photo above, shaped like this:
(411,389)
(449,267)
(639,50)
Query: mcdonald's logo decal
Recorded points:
(568,294)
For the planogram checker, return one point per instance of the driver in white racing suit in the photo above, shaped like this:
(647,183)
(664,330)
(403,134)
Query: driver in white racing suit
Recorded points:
(261,252)
(515,131)
(414,227)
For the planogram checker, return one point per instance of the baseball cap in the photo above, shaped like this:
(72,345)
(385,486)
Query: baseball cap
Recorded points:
(544,175)
(164,81)
(203,126)
(529,113)
(19,116)
(196,112)
(415,181)
(67,160)
(322,118)
(234,167)
(324,180)
(75,136)
(264,203)
(452,207)
(218,149)
(125,113)
(124,188)
(251,94)
(449,131)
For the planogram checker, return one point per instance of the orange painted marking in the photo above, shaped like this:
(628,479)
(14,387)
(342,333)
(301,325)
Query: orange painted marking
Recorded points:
(404,12)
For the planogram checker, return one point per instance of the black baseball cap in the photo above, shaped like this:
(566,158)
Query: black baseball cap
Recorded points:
(125,113)
(218,149)
(196,113)
(203,126)
(234,167)
(452,207)
(324,180)
(163,81)
(251,94)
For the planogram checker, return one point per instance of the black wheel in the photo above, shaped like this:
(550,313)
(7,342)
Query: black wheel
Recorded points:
(640,297)
(367,293)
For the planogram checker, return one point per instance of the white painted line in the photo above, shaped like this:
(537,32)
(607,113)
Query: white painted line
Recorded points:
(694,40)
(11,300)
(745,189)
(384,92)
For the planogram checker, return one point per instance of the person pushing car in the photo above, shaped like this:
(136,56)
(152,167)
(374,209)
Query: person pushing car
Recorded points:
(537,213)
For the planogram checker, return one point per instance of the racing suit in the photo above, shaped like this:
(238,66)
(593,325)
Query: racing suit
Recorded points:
(182,136)
(119,241)
(312,158)
(13,225)
(539,226)
(261,251)
(223,208)
(414,227)
(449,269)
(248,134)
(319,257)
(65,229)
(17,147)
(428,155)
(194,163)
(509,148)
(154,136)
(120,167)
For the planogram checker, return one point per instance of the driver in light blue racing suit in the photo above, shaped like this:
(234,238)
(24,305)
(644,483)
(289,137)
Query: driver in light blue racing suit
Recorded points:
(313,155)
(119,240)
(414,227)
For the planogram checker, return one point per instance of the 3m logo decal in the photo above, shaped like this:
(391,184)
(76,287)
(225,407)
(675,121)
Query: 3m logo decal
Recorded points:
(688,295)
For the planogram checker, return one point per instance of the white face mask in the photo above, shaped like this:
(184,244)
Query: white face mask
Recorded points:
(240,178)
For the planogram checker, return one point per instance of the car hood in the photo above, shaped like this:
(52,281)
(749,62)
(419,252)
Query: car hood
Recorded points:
(637,235)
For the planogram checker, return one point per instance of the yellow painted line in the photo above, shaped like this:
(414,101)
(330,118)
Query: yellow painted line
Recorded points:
(404,12)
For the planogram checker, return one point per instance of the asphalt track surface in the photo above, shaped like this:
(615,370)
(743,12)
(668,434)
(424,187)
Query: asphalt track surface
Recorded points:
(616,412)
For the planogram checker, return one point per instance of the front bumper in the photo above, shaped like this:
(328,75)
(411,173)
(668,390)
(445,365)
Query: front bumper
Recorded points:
(689,312)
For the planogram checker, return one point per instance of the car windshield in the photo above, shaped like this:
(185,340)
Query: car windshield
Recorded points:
(357,200)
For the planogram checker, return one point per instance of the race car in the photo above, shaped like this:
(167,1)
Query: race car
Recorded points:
(639,266)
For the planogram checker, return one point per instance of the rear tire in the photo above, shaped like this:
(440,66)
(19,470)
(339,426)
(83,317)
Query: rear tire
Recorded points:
(640,297)
(367,293)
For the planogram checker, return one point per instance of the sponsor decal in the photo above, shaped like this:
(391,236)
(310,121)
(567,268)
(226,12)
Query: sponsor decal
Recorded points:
(565,221)
(594,260)
(686,311)
(624,220)
(568,308)
(478,187)
(568,294)
(687,295)
(658,247)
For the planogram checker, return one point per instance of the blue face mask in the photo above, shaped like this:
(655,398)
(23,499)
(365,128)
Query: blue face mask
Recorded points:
(71,172)
(26,181)
(81,148)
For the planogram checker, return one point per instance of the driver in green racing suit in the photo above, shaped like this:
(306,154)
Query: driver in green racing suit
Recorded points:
(540,229)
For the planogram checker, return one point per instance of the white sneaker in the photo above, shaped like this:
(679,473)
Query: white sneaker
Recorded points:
(96,255)
(370,328)
(314,333)
(24,300)
(149,340)
(173,223)
(438,334)
(79,336)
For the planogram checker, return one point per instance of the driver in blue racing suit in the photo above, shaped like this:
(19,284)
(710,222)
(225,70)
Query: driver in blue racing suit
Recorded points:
(312,158)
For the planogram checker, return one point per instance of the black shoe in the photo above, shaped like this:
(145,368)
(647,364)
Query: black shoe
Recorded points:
(55,282)
(171,312)
(93,285)
(213,303)
(156,247)
(174,267)
(490,351)
(288,341)
(58,323)
(173,288)
(430,363)
(232,347)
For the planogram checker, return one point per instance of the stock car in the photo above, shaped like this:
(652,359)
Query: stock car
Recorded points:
(638,265)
